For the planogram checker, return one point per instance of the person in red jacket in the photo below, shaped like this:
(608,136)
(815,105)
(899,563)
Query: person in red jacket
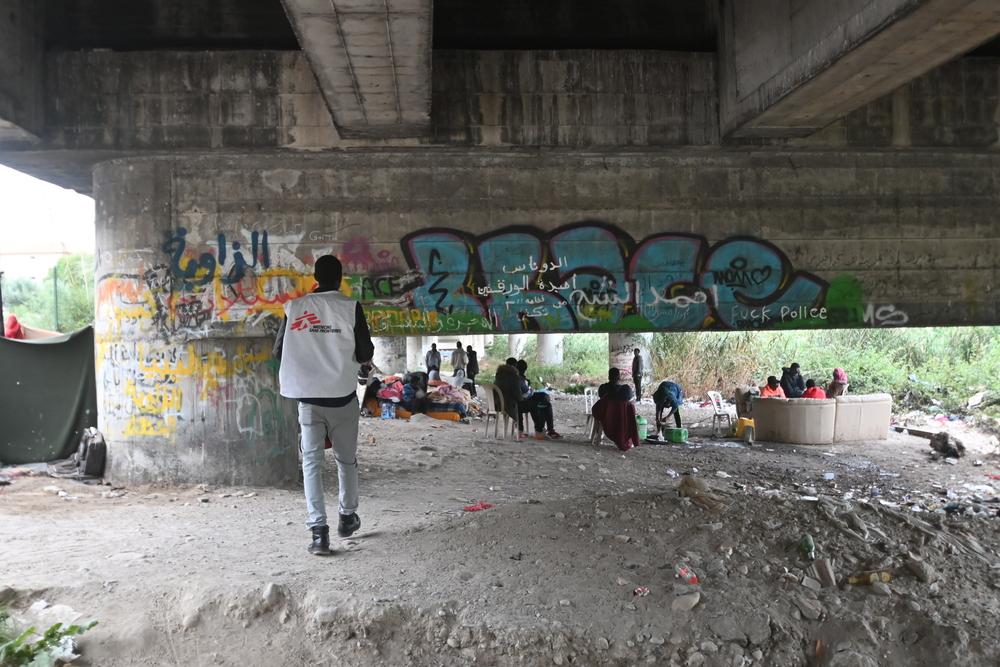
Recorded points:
(812,391)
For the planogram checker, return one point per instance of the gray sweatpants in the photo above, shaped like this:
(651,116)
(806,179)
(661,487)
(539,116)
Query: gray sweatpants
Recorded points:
(341,425)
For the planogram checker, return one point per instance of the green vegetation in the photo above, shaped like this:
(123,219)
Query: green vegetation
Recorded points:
(932,369)
(34,303)
(585,359)
(17,649)
(936,368)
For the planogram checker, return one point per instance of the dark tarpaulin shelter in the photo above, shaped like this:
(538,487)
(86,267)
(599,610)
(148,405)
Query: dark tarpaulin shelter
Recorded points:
(48,396)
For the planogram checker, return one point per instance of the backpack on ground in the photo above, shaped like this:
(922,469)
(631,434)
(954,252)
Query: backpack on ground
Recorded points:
(89,460)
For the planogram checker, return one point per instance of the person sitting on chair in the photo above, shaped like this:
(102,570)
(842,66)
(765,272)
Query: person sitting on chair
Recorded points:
(839,385)
(538,405)
(613,388)
(611,419)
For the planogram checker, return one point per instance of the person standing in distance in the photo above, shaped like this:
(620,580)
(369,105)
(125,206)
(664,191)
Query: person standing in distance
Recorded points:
(433,359)
(473,368)
(322,343)
(459,359)
(637,373)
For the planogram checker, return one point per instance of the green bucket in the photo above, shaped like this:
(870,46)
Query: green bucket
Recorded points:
(643,427)
(677,435)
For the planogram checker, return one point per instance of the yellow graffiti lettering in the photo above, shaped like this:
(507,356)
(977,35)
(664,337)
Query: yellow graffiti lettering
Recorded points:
(145,426)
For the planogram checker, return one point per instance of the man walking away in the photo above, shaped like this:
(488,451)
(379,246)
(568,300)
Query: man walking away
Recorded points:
(433,359)
(637,374)
(321,345)
(458,359)
(472,370)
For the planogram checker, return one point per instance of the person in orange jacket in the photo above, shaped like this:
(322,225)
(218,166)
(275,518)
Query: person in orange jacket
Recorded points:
(772,389)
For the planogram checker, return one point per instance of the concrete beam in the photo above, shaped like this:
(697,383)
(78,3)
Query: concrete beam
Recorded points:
(791,67)
(21,74)
(372,59)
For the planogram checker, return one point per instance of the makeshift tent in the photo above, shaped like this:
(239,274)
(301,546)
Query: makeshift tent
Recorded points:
(48,396)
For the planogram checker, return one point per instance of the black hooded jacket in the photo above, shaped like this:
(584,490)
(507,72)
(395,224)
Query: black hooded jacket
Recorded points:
(793,383)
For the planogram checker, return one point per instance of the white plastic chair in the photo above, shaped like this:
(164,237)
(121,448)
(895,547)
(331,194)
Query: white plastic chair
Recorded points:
(495,409)
(720,412)
(589,398)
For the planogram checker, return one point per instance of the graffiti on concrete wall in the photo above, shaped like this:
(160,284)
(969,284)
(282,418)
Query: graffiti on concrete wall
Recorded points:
(144,385)
(580,277)
(189,331)
(594,277)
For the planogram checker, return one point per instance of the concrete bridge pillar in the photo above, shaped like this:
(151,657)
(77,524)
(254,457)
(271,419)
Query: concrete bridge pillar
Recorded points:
(391,353)
(415,353)
(187,385)
(621,348)
(550,349)
(516,343)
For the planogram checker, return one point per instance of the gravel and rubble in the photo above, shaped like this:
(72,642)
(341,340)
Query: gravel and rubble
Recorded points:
(588,556)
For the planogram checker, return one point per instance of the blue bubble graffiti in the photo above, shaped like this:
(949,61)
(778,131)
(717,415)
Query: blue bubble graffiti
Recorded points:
(592,276)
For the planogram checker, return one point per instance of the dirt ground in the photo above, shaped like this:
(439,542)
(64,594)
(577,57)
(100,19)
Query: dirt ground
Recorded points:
(575,564)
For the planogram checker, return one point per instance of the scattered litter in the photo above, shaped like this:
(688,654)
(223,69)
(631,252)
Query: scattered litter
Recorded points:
(976,400)
(868,578)
(699,492)
(674,474)
(684,573)
(942,442)
(723,474)
(640,591)
(828,476)
(808,547)
(481,505)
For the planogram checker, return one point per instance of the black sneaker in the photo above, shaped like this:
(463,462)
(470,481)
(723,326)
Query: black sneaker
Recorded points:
(348,524)
(321,541)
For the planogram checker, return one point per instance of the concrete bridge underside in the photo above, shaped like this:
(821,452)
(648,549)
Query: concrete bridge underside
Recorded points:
(198,254)
(829,165)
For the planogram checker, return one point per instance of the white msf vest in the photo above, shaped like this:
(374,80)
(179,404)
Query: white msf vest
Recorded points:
(317,354)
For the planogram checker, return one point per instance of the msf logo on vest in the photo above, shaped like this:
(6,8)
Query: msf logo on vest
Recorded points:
(310,322)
